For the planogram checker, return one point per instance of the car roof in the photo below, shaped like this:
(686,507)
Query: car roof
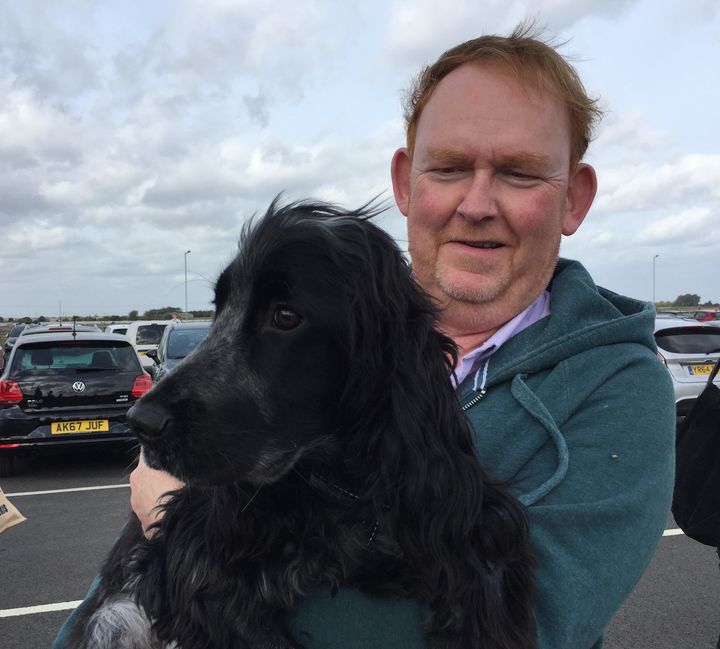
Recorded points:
(58,326)
(62,336)
(148,322)
(201,324)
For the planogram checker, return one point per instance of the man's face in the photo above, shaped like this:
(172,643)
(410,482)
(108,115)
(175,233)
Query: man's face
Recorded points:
(488,192)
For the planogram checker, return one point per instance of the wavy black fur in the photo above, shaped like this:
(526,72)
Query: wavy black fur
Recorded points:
(322,446)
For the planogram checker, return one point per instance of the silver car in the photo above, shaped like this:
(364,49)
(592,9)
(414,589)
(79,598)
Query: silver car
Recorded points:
(689,350)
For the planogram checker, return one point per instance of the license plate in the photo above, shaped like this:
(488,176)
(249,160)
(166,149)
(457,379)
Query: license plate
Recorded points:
(87,426)
(701,370)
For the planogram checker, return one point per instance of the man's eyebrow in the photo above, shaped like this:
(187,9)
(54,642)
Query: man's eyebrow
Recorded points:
(517,159)
(521,159)
(448,156)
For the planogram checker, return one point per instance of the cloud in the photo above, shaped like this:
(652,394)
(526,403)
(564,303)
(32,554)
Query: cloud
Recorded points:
(36,45)
(696,226)
(257,108)
(629,138)
(421,30)
(564,13)
(33,132)
(131,133)
(693,179)
(36,236)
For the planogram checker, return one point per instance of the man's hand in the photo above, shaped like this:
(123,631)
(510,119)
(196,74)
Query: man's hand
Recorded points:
(148,489)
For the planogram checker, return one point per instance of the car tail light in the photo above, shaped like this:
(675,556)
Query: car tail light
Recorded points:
(10,392)
(142,384)
(662,359)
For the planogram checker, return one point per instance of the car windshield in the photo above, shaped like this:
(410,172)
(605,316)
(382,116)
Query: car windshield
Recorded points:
(75,355)
(16,331)
(688,340)
(149,334)
(182,341)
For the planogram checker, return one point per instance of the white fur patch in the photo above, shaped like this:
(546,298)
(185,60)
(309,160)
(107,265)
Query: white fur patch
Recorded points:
(120,624)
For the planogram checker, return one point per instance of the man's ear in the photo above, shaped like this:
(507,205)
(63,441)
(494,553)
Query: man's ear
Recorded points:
(400,172)
(580,195)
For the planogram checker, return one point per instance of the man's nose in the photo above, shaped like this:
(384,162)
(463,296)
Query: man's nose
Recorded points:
(479,200)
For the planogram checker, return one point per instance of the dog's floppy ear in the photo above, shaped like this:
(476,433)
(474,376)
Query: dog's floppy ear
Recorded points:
(395,344)
(425,471)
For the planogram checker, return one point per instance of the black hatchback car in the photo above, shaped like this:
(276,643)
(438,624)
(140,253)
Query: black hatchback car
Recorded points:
(66,389)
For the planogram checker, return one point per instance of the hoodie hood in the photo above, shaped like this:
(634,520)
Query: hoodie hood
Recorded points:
(582,316)
(539,378)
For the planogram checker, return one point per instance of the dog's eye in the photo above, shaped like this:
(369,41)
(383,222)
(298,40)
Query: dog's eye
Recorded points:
(285,319)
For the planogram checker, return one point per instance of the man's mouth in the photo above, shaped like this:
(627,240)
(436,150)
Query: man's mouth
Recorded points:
(489,245)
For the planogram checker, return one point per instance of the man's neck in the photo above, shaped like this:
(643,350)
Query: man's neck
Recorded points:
(471,325)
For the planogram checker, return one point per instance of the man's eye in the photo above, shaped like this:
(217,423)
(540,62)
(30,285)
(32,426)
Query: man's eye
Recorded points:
(514,173)
(285,319)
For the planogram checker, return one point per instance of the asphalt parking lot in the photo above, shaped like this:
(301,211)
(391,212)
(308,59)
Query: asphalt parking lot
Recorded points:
(76,504)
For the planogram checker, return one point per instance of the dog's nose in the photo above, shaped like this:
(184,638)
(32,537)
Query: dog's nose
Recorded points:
(148,420)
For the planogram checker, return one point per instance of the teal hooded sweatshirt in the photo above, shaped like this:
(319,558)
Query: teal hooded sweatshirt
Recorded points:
(576,415)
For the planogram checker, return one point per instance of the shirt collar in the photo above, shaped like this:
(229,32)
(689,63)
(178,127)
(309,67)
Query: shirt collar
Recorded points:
(539,308)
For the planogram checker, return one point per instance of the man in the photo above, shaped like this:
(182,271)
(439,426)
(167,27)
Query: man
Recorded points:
(567,400)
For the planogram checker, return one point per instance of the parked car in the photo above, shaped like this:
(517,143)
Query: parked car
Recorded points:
(63,389)
(705,315)
(689,350)
(178,341)
(117,328)
(670,314)
(144,335)
(57,327)
(12,337)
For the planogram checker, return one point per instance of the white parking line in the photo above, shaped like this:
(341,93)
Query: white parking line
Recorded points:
(42,608)
(669,532)
(64,491)
(66,606)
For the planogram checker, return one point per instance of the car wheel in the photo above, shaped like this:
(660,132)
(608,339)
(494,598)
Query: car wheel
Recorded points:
(7,464)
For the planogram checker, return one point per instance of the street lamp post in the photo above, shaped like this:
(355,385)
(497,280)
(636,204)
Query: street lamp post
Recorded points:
(654,258)
(187,252)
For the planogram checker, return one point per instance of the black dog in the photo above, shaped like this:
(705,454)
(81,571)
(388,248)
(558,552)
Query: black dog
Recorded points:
(322,446)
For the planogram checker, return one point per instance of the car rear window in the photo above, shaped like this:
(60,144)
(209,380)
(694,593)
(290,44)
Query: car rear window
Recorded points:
(688,340)
(76,355)
(16,331)
(183,341)
(149,334)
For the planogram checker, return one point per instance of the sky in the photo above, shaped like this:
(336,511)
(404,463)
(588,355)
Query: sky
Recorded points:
(132,132)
